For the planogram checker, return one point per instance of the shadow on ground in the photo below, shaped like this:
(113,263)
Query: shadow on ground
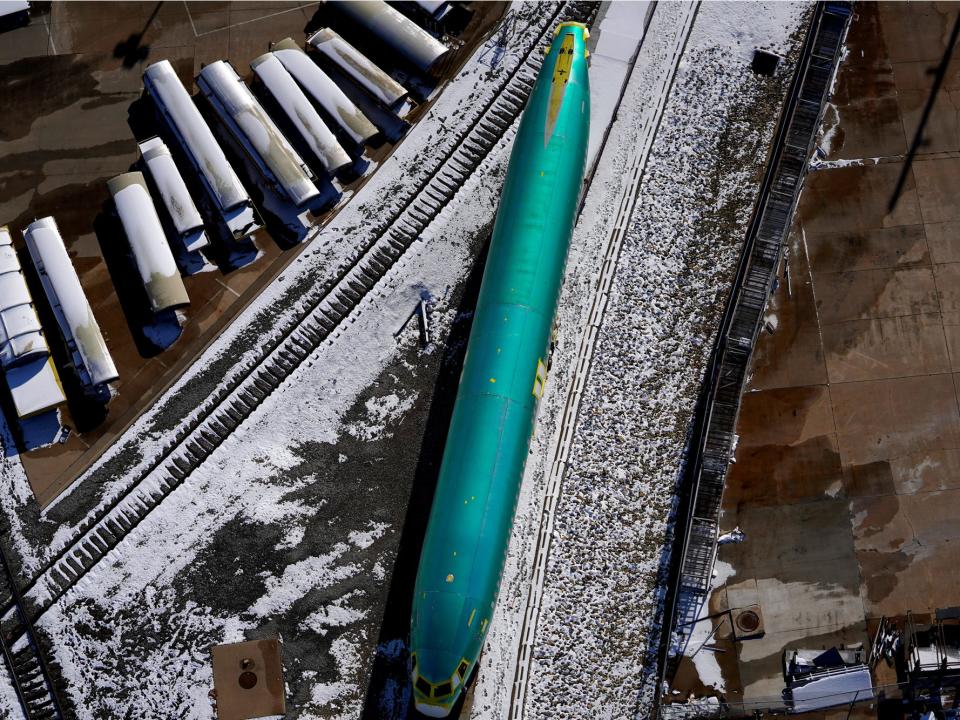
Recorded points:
(388,694)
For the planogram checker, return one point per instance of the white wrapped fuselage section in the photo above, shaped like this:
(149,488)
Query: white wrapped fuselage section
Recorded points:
(201,147)
(396,30)
(69,302)
(324,91)
(355,65)
(24,353)
(174,193)
(256,132)
(301,113)
(158,270)
(21,335)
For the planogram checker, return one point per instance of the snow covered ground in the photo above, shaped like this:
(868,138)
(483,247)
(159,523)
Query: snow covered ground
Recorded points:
(599,602)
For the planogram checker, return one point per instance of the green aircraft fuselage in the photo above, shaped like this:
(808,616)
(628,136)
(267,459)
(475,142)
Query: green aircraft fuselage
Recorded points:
(461,565)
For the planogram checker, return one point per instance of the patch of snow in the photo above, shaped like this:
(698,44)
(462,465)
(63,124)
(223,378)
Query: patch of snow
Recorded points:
(382,412)
(732,538)
(365,539)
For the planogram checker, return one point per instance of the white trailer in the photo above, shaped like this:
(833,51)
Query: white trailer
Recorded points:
(324,91)
(24,353)
(174,194)
(198,143)
(70,306)
(155,263)
(290,98)
(358,67)
(396,30)
(253,129)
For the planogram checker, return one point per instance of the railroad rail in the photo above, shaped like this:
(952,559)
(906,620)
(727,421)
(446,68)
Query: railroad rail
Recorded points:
(560,451)
(325,310)
(29,673)
(712,438)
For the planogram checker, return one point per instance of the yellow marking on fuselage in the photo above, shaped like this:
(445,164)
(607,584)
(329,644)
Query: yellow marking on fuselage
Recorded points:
(493,380)
(472,613)
(573,24)
(539,379)
(450,578)
(558,85)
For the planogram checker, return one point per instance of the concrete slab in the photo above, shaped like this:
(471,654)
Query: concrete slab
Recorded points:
(936,181)
(926,471)
(943,239)
(248,677)
(951,331)
(903,545)
(31,41)
(873,249)
(884,292)
(942,130)
(918,75)
(882,419)
(948,291)
(873,125)
(791,356)
(856,198)
(788,450)
(918,31)
(885,348)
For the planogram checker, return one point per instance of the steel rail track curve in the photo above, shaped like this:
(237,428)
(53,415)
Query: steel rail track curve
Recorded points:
(328,309)
(560,451)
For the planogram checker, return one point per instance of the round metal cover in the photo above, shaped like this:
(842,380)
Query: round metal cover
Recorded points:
(748,621)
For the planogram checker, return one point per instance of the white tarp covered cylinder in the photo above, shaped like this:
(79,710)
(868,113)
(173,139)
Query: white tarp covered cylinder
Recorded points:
(24,353)
(355,65)
(301,113)
(69,302)
(174,193)
(158,270)
(198,142)
(21,335)
(396,30)
(256,132)
(324,91)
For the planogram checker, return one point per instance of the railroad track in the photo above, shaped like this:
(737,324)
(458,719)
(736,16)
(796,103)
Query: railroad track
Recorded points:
(327,309)
(29,674)
(560,450)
